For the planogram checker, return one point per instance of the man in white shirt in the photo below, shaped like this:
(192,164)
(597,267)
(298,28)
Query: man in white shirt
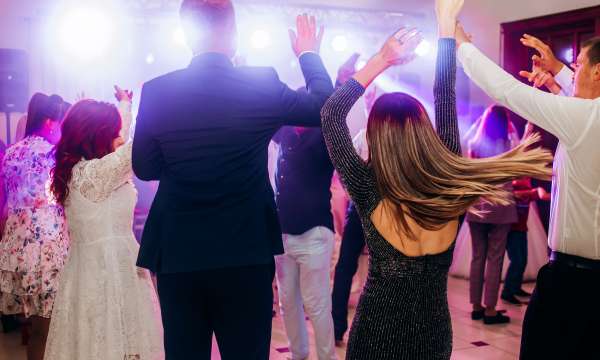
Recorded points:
(563,317)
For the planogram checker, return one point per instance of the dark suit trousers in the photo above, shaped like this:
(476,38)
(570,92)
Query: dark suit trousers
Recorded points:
(233,303)
(352,246)
(563,316)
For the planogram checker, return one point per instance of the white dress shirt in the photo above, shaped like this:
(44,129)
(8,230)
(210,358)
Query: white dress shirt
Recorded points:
(575,214)
(564,78)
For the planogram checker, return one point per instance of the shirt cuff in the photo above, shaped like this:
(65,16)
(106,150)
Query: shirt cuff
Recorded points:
(564,78)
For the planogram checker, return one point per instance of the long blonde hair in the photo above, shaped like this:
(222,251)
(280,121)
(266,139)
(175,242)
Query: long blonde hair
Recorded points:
(421,179)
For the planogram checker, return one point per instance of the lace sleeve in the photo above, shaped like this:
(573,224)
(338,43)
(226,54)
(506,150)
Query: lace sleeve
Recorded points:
(100,177)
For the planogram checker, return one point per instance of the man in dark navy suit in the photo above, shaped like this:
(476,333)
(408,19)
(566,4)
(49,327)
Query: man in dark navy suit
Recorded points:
(213,229)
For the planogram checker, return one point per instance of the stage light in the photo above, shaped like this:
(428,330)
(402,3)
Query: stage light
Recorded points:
(150,59)
(339,43)
(424,48)
(179,36)
(568,55)
(261,39)
(85,33)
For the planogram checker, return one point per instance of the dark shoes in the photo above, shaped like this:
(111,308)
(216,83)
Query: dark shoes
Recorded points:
(511,299)
(499,318)
(479,314)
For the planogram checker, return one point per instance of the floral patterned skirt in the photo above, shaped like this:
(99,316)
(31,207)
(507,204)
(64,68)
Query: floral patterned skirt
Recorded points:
(33,251)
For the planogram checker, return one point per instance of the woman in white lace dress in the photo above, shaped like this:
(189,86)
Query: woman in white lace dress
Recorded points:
(106,308)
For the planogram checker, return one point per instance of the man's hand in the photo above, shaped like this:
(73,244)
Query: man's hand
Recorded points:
(541,78)
(546,60)
(123,95)
(306,38)
(348,69)
(447,13)
(461,35)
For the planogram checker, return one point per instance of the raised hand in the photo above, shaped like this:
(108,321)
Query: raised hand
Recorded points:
(541,78)
(348,69)
(80,96)
(447,13)
(123,95)
(448,8)
(306,38)
(461,35)
(546,60)
(399,49)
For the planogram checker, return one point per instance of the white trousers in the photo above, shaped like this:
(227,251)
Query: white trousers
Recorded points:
(303,274)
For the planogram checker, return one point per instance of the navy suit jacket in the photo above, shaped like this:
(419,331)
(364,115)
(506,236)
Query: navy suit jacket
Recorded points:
(204,132)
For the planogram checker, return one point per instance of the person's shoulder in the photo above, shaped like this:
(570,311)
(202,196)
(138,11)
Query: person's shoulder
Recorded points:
(162,80)
(258,73)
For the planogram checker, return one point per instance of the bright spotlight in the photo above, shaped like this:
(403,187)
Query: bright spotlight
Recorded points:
(179,36)
(150,59)
(424,48)
(339,43)
(85,33)
(261,39)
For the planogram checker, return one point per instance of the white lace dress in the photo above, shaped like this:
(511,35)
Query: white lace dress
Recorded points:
(106,308)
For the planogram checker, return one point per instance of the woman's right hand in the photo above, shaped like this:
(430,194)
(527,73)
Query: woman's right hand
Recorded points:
(400,48)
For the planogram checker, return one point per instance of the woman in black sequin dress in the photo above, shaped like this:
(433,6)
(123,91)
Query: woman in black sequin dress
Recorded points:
(409,197)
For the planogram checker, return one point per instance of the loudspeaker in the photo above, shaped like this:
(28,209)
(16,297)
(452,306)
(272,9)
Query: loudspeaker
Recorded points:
(14,80)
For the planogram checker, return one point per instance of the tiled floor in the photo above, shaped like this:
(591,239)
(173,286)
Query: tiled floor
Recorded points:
(472,340)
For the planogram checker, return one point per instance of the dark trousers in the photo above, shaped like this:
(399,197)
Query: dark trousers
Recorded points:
(489,246)
(353,243)
(563,316)
(233,303)
(516,247)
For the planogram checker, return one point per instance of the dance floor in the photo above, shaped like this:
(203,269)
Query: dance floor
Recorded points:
(472,339)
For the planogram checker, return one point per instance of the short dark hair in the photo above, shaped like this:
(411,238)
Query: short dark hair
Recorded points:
(211,14)
(594,49)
